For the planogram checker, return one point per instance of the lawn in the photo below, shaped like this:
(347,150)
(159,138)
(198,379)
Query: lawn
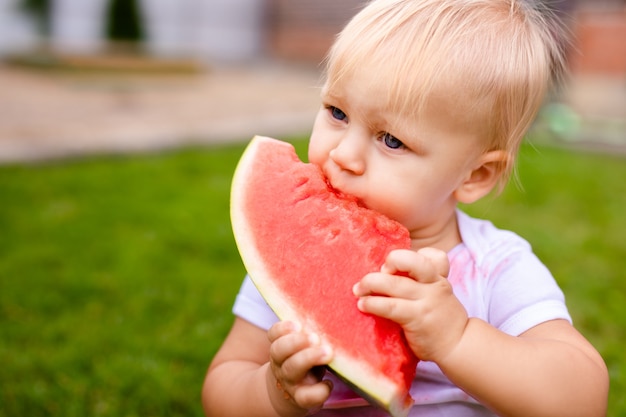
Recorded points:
(117,273)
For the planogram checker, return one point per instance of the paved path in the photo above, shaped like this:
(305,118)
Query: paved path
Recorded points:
(45,115)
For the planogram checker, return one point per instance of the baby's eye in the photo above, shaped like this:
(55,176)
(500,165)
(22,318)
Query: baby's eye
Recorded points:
(391,141)
(337,113)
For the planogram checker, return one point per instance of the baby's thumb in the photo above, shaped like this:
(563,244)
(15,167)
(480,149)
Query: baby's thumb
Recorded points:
(438,258)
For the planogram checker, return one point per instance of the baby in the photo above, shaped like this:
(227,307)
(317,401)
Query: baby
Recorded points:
(424,107)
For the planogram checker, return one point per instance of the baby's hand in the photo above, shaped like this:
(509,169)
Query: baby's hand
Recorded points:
(424,305)
(296,358)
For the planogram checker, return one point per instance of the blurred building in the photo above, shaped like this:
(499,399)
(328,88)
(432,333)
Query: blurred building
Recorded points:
(304,29)
(600,31)
(242,30)
(219,30)
(211,30)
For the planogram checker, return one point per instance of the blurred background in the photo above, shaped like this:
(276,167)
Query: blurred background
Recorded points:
(83,76)
(121,122)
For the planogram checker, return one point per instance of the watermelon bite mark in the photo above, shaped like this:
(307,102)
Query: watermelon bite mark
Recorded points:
(305,245)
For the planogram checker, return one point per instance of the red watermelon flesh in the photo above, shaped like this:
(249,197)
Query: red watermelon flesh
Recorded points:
(305,245)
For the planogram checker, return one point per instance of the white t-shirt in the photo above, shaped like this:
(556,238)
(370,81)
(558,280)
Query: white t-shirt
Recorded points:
(495,276)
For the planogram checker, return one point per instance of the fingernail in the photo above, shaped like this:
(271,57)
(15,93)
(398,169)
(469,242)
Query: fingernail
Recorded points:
(385,269)
(314,339)
(328,351)
(296,326)
(355,289)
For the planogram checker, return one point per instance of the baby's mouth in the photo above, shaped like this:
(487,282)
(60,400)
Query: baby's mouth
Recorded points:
(343,195)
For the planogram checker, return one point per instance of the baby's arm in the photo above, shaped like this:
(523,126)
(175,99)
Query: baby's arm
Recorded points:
(259,373)
(549,370)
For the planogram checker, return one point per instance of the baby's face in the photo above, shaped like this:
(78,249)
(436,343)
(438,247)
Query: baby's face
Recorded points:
(405,167)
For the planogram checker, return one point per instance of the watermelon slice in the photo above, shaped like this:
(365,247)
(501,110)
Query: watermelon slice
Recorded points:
(305,245)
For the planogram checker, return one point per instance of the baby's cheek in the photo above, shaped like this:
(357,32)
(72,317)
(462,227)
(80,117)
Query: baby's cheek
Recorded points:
(390,205)
(315,153)
(316,158)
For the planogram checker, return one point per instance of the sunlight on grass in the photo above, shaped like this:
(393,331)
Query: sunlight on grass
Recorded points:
(117,274)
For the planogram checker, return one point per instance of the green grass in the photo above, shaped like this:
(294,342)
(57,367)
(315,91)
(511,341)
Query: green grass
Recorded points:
(117,274)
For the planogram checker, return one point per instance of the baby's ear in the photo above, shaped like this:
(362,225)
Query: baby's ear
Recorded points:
(481,180)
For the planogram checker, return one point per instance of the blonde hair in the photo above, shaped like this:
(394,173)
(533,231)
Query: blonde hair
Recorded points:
(491,60)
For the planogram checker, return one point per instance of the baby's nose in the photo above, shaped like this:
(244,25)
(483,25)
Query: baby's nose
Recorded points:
(349,156)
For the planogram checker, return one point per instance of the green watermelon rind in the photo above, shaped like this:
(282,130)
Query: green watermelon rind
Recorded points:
(373,385)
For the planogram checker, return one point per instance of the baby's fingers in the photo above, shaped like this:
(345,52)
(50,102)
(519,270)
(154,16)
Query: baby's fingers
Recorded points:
(387,285)
(296,367)
(400,310)
(286,340)
(293,352)
(283,328)
(313,396)
(426,265)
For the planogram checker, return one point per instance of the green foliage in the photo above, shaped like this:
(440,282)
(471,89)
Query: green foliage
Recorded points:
(124,21)
(40,10)
(117,275)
